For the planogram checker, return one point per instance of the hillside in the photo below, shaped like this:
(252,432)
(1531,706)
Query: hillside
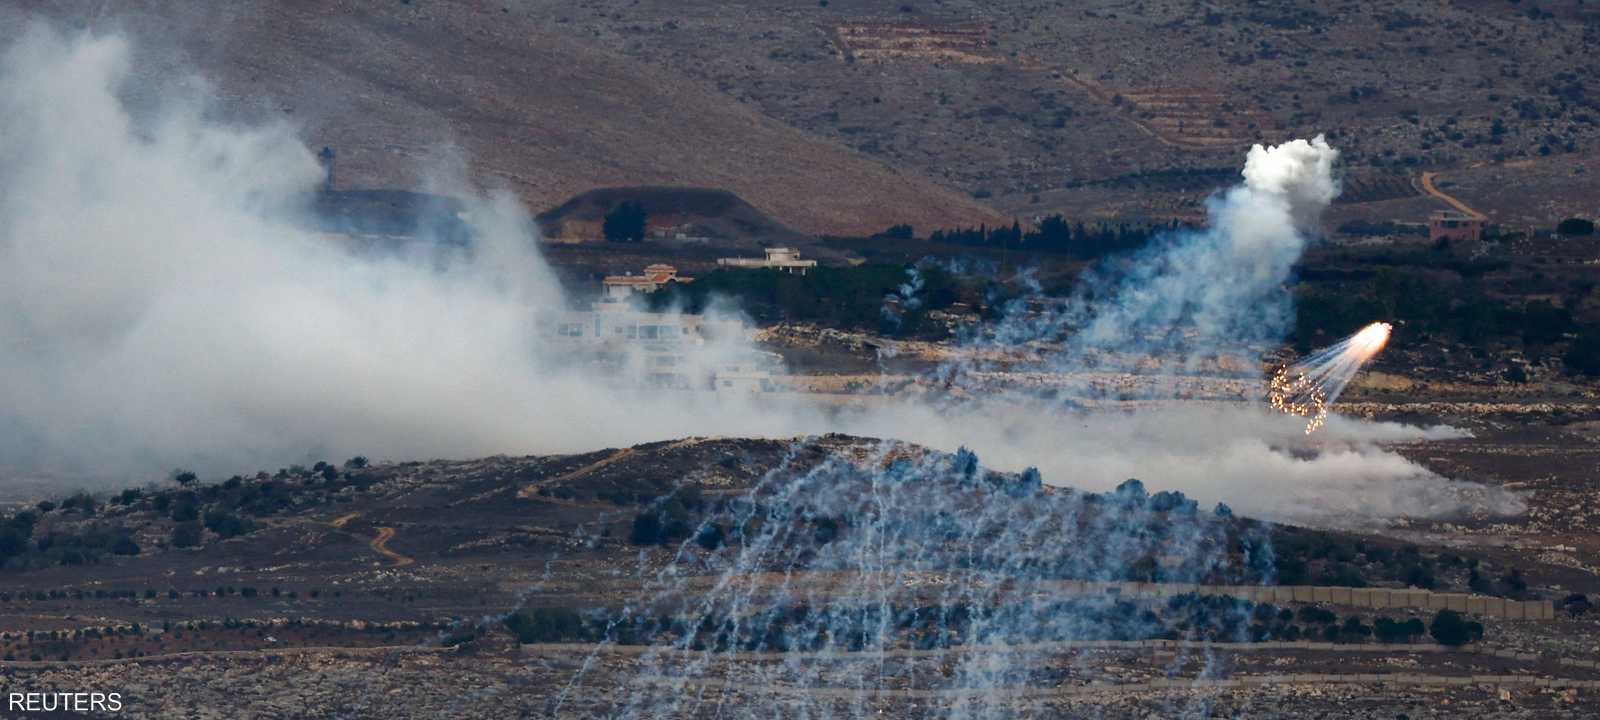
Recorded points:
(1117,108)
(530,105)
(848,116)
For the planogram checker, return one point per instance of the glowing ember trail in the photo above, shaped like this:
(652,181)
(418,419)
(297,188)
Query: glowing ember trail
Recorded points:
(1310,386)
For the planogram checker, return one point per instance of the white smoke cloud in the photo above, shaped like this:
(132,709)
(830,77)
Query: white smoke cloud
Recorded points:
(1223,284)
(160,306)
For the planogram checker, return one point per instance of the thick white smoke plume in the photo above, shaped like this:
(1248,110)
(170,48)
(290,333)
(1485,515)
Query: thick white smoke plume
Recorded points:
(162,305)
(1224,285)
(1195,304)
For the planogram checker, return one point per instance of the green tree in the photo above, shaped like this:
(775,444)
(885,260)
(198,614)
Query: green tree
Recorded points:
(626,222)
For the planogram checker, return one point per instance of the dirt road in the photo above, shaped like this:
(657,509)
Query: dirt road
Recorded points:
(1429,188)
(379,543)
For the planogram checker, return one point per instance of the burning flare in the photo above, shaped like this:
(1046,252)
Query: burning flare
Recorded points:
(1308,387)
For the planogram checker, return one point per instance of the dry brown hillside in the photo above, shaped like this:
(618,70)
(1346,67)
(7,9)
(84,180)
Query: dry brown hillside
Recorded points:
(532,105)
(1131,107)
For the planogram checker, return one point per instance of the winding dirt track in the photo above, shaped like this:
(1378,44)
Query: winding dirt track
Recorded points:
(379,543)
(1429,188)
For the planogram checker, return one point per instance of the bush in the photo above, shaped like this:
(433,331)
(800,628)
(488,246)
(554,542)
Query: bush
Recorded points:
(646,529)
(184,477)
(1449,628)
(1583,356)
(710,537)
(1576,226)
(1514,582)
(125,546)
(186,512)
(546,625)
(1390,631)
(187,534)
(81,501)
(12,543)
(226,525)
(1354,630)
(1420,576)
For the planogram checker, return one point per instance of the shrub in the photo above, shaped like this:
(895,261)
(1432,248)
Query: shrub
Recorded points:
(710,537)
(1391,631)
(1514,582)
(186,512)
(646,529)
(546,625)
(1583,356)
(1420,576)
(188,534)
(226,525)
(125,546)
(1449,628)
(1576,226)
(81,501)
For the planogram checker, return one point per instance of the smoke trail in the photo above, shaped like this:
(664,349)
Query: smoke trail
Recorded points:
(877,567)
(1152,369)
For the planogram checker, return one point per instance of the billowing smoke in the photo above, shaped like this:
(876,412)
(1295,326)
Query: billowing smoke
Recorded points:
(1153,367)
(1223,287)
(163,304)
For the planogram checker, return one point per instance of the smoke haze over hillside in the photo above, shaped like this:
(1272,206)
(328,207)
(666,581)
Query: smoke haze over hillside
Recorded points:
(160,305)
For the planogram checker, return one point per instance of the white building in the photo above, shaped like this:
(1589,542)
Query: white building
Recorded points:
(778,258)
